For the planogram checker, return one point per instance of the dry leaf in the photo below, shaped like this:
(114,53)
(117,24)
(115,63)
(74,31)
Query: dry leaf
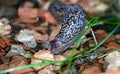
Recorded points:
(29,16)
(19,61)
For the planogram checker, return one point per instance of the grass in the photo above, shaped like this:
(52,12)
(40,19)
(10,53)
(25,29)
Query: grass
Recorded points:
(28,66)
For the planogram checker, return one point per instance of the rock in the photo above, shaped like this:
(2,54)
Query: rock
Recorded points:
(112,61)
(15,50)
(92,57)
(5,28)
(26,37)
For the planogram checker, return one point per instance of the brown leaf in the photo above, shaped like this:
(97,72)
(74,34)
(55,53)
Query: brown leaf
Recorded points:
(4,43)
(28,15)
(55,31)
(114,72)
(19,61)
(113,46)
(4,66)
(92,70)
(39,36)
(46,55)
(48,17)
(101,34)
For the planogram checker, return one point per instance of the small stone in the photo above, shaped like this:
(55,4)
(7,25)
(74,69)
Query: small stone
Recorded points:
(79,61)
(15,50)
(92,57)
(27,38)
(5,28)
(92,45)
(112,61)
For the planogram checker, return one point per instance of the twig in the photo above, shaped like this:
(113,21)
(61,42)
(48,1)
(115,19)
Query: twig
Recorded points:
(93,34)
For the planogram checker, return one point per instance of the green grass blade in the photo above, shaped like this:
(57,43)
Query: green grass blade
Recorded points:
(27,66)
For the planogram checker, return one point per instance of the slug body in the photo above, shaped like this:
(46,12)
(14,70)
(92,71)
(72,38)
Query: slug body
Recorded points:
(57,10)
(72,26)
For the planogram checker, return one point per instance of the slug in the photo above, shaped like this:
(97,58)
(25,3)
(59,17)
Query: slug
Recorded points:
(72,26)
(57,10)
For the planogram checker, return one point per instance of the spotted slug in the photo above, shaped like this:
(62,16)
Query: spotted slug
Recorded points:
(57,10)
(72,26)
